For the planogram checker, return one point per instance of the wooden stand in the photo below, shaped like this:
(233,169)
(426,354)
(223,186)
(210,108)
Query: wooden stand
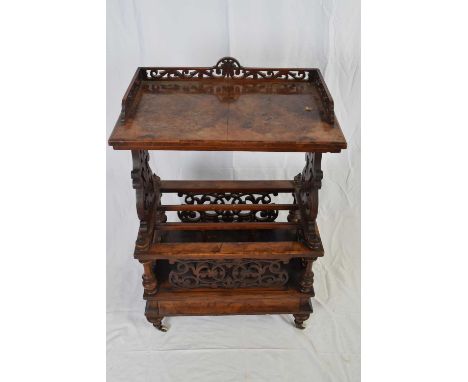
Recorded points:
(228,254)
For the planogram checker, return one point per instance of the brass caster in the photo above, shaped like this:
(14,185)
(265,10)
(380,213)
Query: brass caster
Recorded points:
(299,325)
(160,327)
(299,320)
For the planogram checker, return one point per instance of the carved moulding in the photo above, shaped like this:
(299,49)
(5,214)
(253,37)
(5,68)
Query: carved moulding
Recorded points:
(150,283)
(220,198)
(228,274)
(306,283)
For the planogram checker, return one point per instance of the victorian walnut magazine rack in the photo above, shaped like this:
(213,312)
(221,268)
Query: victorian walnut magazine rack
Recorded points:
(228,254)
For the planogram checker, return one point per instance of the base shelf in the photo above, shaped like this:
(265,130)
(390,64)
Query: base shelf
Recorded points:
(165,308)
(227,302)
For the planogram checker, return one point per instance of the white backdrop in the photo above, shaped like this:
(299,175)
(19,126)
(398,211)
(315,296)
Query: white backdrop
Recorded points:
(315,33)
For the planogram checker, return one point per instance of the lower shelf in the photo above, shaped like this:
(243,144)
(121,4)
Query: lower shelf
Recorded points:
(224,302)
(225,276)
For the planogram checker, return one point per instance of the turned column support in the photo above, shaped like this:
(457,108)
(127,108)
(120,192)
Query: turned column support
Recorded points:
(306,283)
(150,284)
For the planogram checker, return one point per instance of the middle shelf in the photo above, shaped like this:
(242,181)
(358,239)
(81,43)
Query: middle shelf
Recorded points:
(262,244)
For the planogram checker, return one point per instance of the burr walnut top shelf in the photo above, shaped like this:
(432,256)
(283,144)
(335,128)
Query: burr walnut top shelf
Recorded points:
(228,108)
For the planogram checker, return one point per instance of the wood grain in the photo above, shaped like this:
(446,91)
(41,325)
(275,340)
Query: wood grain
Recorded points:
(184,186)
(223,207)
(228,108)
(223,226)
(226,250)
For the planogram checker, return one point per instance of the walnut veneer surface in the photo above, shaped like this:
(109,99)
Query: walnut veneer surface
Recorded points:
(228,107)
(264,117)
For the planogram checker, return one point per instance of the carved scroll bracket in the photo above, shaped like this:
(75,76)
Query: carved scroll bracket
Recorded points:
(307,187)
(148,196)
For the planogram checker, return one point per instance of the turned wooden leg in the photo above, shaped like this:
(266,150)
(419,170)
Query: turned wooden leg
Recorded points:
(299,320)
(149,280)
(306,283)
(157,323)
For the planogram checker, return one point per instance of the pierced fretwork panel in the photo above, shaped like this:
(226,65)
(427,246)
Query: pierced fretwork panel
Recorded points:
(228,67)
(221,215)
(228,274)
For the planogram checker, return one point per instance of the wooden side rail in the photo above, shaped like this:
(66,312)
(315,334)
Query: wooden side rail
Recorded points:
(223,226)
(227,207)
(194,186)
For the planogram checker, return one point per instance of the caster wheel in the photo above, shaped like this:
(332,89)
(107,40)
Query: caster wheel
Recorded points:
(161,327)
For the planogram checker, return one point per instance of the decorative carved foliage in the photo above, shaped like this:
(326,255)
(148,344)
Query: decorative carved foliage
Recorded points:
(312,174)
(227,67)
(145,184)
(228,274)
(309,182)
(225,215)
